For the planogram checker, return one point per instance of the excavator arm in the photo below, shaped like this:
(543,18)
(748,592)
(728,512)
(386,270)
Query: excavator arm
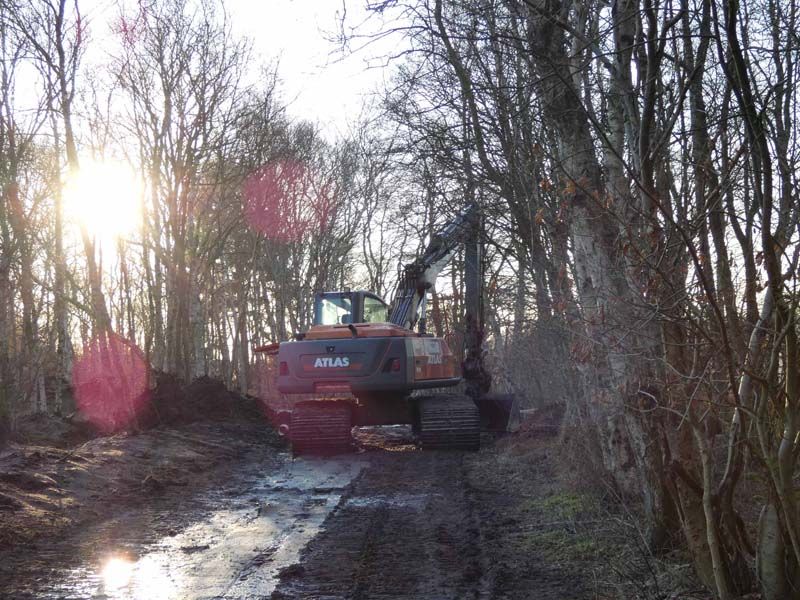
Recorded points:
(498,412)
(408,304)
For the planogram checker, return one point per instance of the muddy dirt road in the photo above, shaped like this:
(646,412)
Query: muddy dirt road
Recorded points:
(387,522)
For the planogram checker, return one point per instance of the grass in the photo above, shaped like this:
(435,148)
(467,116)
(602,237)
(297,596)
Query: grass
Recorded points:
(555,525)
(560,545)
(566,505)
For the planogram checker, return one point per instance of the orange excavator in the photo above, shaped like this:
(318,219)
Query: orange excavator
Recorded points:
(364,362)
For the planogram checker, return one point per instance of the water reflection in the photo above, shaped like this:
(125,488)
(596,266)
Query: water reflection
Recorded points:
(233,548)
(146,578)
(116,573)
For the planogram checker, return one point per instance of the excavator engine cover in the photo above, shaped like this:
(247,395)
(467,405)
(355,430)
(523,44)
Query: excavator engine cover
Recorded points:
(364,359)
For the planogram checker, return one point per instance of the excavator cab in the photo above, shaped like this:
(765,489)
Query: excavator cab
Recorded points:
(344,308)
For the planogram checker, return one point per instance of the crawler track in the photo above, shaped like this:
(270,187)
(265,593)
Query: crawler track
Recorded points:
(449,422)
(321,427)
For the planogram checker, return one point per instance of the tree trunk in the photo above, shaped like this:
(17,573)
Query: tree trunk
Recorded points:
(198,328)
(771,557)
(621,357)
(6,320)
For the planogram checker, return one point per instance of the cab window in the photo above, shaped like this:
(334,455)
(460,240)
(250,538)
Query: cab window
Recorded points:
(375,311)
(334,310)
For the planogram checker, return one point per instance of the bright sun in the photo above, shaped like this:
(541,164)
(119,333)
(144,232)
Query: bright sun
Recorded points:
(105,197)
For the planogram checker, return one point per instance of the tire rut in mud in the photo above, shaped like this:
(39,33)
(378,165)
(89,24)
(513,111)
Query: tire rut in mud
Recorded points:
(406,529)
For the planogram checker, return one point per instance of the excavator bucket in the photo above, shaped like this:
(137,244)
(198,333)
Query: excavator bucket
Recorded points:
(499,412)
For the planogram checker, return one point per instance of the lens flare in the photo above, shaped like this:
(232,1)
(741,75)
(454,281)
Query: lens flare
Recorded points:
(286,201)
(111,382)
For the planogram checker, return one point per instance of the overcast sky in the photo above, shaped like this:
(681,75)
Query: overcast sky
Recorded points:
(319,83)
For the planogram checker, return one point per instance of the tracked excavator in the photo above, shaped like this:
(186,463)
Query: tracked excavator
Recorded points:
(366,362)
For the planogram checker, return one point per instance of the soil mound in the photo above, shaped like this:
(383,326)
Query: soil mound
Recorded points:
(167,400)
(171,402)
(205,398)
(209,398)
(52,430)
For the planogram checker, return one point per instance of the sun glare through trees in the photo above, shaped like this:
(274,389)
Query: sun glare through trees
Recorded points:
(106,198)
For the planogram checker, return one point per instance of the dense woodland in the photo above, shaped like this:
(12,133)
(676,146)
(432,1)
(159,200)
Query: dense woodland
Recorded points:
(637,162)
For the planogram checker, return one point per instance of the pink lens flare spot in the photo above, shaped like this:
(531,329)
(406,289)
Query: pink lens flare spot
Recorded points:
(286,201)
(273,197)
(111,382)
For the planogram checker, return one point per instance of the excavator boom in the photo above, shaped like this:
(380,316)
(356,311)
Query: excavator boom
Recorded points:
(420,275)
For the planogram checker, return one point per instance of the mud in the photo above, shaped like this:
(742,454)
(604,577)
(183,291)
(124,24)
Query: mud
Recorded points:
(407,529)
(387,521)
(55,489)
(229,538)
(438,525)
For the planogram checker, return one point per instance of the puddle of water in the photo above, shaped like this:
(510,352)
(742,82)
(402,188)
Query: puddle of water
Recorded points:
(412,501)
(236,552)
